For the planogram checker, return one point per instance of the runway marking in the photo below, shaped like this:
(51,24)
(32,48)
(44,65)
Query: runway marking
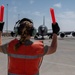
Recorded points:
(60,64)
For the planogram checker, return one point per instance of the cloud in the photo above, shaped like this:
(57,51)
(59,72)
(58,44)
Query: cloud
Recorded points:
(58,5)
(37,13)
(66,20)
(25,12)
(31,1)
(13,9)
(68,15)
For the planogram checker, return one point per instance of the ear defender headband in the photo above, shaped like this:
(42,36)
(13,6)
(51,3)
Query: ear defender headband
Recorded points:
(32,31)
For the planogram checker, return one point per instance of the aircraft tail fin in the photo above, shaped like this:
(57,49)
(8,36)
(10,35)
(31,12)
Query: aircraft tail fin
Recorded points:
(44,20)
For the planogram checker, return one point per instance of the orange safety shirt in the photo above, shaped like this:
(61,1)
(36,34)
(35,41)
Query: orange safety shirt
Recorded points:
(26,60)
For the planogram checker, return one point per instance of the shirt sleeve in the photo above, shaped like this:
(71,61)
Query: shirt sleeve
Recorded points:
(4,48)
(45,49)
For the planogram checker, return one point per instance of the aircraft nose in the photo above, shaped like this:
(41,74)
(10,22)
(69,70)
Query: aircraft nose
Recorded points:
(43,29)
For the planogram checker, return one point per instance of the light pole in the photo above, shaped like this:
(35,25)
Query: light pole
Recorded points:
(7,19)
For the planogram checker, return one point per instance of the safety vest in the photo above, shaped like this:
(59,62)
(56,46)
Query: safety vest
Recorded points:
(26,60)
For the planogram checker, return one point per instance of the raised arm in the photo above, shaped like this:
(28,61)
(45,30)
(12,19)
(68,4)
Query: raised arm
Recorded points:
(1,29)
(53,47)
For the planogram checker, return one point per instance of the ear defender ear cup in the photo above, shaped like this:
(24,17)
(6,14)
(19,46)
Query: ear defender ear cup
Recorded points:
(32,31)
(16,30)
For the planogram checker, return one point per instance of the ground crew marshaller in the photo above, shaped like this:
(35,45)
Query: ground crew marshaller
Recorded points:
(24,55)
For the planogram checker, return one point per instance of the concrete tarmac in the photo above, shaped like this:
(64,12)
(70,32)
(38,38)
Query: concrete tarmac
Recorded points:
(62,62)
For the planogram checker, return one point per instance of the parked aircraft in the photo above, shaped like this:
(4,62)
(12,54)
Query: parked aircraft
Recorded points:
(43,31)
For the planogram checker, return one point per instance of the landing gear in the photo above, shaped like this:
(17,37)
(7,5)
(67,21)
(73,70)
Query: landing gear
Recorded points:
(50,37)
(42,38)
(35,37)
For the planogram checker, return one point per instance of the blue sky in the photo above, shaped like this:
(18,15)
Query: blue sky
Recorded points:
(36,9)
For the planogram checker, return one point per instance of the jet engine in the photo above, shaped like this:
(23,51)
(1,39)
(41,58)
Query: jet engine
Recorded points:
(62,35)
(73,34)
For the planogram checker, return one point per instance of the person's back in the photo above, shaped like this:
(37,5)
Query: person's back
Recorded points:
(27,59)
